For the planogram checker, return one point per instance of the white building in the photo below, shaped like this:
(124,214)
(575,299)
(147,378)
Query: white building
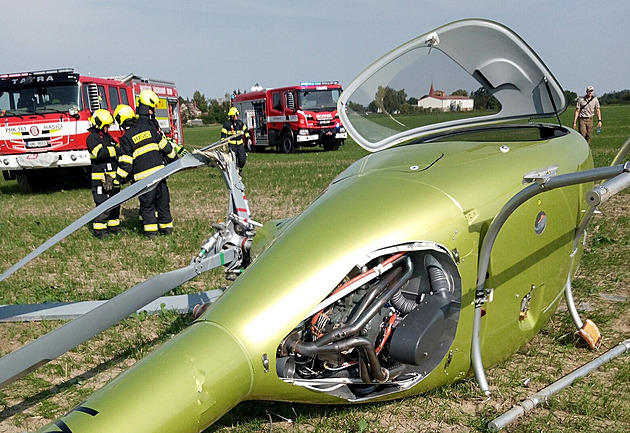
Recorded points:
(437,99)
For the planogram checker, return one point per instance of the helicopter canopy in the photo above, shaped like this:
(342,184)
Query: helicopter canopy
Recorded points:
(465,73)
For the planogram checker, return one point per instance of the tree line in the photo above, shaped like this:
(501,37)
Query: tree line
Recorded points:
(212,110)
(389,100)
(612,98)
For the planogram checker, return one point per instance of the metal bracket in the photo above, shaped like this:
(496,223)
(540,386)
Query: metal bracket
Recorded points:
(541,175)
(432,39)
(525,304)
(485,296)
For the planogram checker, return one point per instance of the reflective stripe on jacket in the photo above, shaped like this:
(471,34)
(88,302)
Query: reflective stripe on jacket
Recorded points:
(103,154)
(143,149)
(231,128)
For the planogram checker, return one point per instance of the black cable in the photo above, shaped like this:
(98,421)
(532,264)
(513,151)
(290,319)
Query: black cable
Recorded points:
(553,103)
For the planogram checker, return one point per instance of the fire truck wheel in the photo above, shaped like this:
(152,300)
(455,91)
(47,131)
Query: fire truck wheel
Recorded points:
(47,179)
(30,181)
(286,145)
(333,145)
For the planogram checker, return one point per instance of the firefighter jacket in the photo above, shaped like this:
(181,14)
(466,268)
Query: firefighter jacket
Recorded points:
(234,127)
(142,150)
(104,152)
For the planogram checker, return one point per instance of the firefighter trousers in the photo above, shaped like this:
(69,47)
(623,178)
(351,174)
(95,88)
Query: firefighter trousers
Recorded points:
(108,221)
(155,210)
(241,154)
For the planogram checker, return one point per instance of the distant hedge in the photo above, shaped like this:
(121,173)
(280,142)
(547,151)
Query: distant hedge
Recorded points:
(615,98)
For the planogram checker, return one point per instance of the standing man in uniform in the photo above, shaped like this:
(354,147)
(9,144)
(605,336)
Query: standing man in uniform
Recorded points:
(143,151)
(233,126)
(104,158)
(585,109)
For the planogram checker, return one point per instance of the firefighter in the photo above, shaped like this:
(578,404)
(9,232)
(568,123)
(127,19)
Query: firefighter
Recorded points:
(104,157)
(147,108)
(231,127)
(143,151)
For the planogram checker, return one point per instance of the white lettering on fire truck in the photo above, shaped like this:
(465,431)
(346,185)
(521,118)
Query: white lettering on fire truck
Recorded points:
(19,129)
(16,129)
(324,116)
(37,79)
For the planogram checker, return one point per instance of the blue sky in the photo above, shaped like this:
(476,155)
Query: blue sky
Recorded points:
(216,47)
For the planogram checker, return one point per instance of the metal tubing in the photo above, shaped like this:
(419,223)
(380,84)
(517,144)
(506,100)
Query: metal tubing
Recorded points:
(475,352)
(367,300)
(568,290)
(363,369)
(356,326)
(517,200)
(380,374)
(603,192)
(543,395)
(528,192)
(568,296)
(621,155)
(594,198)
(343,339)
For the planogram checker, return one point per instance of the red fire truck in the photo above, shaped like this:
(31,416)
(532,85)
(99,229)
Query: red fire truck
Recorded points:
(293,117)
(44,121)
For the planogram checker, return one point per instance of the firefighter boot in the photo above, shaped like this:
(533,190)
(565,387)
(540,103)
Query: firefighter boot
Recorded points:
(101,234)
(113,227)
(166,229)
(100,230)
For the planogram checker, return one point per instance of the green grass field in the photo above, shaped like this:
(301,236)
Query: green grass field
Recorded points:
(84,268)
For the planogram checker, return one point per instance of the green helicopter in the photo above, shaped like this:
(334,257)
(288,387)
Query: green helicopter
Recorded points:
(453,244)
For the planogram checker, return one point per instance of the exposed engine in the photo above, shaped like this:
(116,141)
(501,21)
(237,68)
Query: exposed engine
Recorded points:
(385,326)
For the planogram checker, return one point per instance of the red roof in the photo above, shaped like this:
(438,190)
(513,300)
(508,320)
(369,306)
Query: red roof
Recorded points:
(433,95)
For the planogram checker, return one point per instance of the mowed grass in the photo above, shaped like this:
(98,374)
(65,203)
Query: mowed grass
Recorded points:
(84,268)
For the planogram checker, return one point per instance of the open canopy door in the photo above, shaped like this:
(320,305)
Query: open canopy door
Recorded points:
(426,85)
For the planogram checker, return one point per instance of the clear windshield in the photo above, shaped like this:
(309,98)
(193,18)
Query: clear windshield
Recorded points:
(469,72)
(421,87)
(39,99)
(318,100)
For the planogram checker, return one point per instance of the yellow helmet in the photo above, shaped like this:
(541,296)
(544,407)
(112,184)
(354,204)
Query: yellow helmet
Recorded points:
(101,118)
(233,111)
(123,113)
(149,98)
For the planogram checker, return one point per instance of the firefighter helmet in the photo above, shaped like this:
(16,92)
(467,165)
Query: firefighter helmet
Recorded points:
(149,98)
(233,111)
(123,113)
(101,118)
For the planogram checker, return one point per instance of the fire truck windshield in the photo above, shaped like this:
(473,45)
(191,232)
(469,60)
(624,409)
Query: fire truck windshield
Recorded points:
(38,99)
(318,100)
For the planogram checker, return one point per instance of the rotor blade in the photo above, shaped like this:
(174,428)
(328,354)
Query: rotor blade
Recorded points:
(57,342)
(221,142)
(71,310)
(189,160)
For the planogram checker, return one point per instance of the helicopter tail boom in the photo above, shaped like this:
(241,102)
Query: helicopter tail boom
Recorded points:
(184,386)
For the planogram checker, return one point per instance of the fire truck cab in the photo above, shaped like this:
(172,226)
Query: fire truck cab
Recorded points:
(292,117)
(44,121)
